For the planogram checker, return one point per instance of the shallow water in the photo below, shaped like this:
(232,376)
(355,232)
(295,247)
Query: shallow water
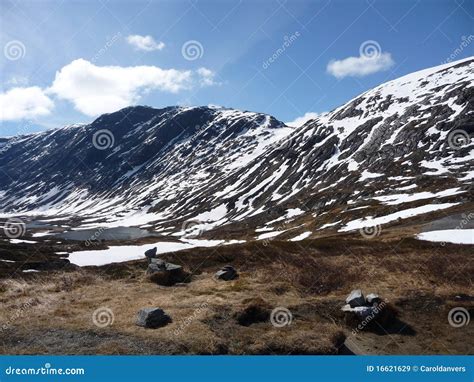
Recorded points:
(116,233)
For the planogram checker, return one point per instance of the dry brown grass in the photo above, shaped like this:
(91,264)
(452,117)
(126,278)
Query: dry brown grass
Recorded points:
(51,312)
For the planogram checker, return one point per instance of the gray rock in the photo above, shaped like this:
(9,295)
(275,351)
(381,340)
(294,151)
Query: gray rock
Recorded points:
(164,273)
(227,273)
(373,298)
(156,265)
(151,253)
(356,298)
(152,318)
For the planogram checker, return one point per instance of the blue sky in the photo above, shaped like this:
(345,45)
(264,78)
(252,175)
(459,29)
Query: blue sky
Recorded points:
(67,61)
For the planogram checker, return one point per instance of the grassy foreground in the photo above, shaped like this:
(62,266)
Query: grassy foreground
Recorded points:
(92,310)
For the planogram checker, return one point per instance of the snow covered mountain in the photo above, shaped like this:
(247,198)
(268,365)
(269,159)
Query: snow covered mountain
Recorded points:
(400,150)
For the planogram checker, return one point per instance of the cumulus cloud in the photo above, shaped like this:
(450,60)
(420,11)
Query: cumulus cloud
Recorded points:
(96,90)
(207,77)
(23,103)
(360,66)
(146,43)
(300,121)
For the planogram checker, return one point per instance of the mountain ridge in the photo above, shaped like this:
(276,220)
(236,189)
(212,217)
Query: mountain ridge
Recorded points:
(188,169)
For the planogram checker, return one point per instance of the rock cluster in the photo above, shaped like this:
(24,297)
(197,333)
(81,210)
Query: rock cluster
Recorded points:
(167,274)
(363,307)
(163,273)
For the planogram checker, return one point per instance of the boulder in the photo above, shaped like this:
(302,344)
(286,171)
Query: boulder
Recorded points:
(152,318)
(375,313)
(151,253)
(227,273)
(356,298)
(163,273)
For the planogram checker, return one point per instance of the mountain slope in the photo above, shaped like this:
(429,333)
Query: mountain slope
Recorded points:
(401,149)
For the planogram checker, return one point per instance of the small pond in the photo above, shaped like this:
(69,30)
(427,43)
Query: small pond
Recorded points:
(116,233)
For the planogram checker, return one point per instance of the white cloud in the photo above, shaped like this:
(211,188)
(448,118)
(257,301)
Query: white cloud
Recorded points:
(23,103)
(146,43)
(360,66)
(300,121)
(96,90)
(207,77)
